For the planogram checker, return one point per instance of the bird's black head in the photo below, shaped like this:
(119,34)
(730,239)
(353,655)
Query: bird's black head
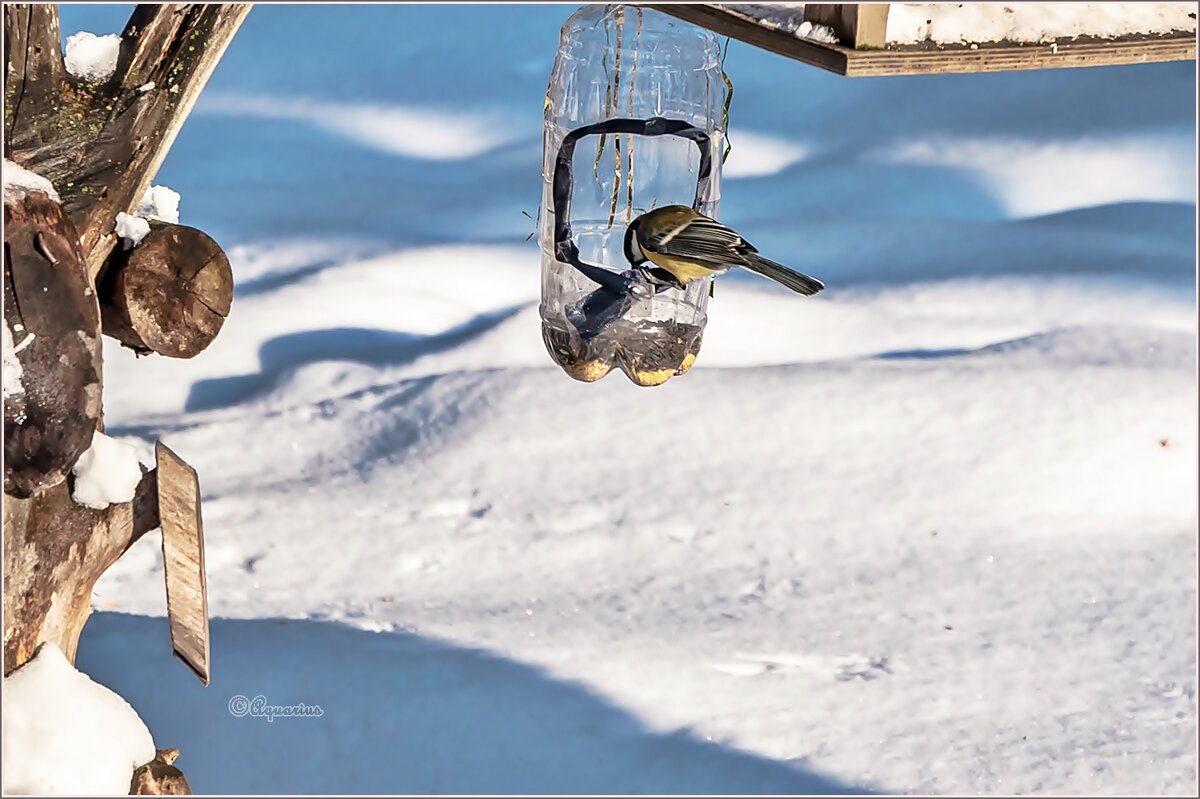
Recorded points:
(633,251)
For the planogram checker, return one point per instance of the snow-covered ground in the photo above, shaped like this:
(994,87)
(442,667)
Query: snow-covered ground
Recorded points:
(933,530)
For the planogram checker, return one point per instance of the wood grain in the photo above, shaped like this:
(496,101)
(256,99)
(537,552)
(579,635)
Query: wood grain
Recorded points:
(183,558)
(168,295)
(54,552)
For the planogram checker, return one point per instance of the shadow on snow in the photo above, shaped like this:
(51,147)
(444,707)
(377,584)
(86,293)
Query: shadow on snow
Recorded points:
(401,713)
(372,347)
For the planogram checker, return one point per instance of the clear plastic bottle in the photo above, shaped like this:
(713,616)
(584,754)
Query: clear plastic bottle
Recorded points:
(619,61)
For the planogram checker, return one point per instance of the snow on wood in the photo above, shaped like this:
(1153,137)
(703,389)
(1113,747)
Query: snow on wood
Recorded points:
(913,23)
(107,473)
(19,181)
(12,371)
(92,57)
(788,18)
(131,229)
(65,734)
(161,203)
(818,33)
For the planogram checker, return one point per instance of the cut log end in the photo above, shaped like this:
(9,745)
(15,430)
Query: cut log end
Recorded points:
(168,295)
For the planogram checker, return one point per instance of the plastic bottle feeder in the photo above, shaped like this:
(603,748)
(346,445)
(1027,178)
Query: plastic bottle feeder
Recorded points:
(635,119)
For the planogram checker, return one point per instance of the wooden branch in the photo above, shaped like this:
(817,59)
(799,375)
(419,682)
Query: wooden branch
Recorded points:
(35,64)
(857,25)
(195,38)
(169,295)
(147,36)
(921,59)
(101,144)
(54,551)
(51,311)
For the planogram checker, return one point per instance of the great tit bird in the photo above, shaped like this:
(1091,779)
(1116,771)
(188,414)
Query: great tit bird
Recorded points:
(685,246)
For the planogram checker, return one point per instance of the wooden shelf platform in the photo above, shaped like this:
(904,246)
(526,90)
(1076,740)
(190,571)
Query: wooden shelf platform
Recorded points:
(747,24)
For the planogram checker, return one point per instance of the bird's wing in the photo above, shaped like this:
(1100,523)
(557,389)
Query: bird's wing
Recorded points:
(702,240)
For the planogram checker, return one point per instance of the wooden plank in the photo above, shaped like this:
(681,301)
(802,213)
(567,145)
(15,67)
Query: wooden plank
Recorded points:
(857,25)
(1006,57)
(183,558)
(934,59)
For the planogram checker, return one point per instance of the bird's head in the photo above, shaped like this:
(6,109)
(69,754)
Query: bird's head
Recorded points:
(633,250)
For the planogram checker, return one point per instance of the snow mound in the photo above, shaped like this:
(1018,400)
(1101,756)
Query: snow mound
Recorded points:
(1126,347)
(1046,504)
(1130,347)
(107,473)
(92,57)
(131,229)
(275,262)
(1031,178)
(18,181)
(160,202)
(67,735)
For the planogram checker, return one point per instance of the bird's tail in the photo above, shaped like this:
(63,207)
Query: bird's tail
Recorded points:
(802,284)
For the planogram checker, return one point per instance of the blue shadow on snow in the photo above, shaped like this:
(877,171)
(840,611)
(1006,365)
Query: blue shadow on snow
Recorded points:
(402,714)
(371,347)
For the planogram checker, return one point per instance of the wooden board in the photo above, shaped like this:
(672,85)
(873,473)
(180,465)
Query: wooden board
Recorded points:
(183,558)
(857,25)
(745,24)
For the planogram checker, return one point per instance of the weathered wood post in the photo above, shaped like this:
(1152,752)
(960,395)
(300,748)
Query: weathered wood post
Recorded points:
(100,144)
